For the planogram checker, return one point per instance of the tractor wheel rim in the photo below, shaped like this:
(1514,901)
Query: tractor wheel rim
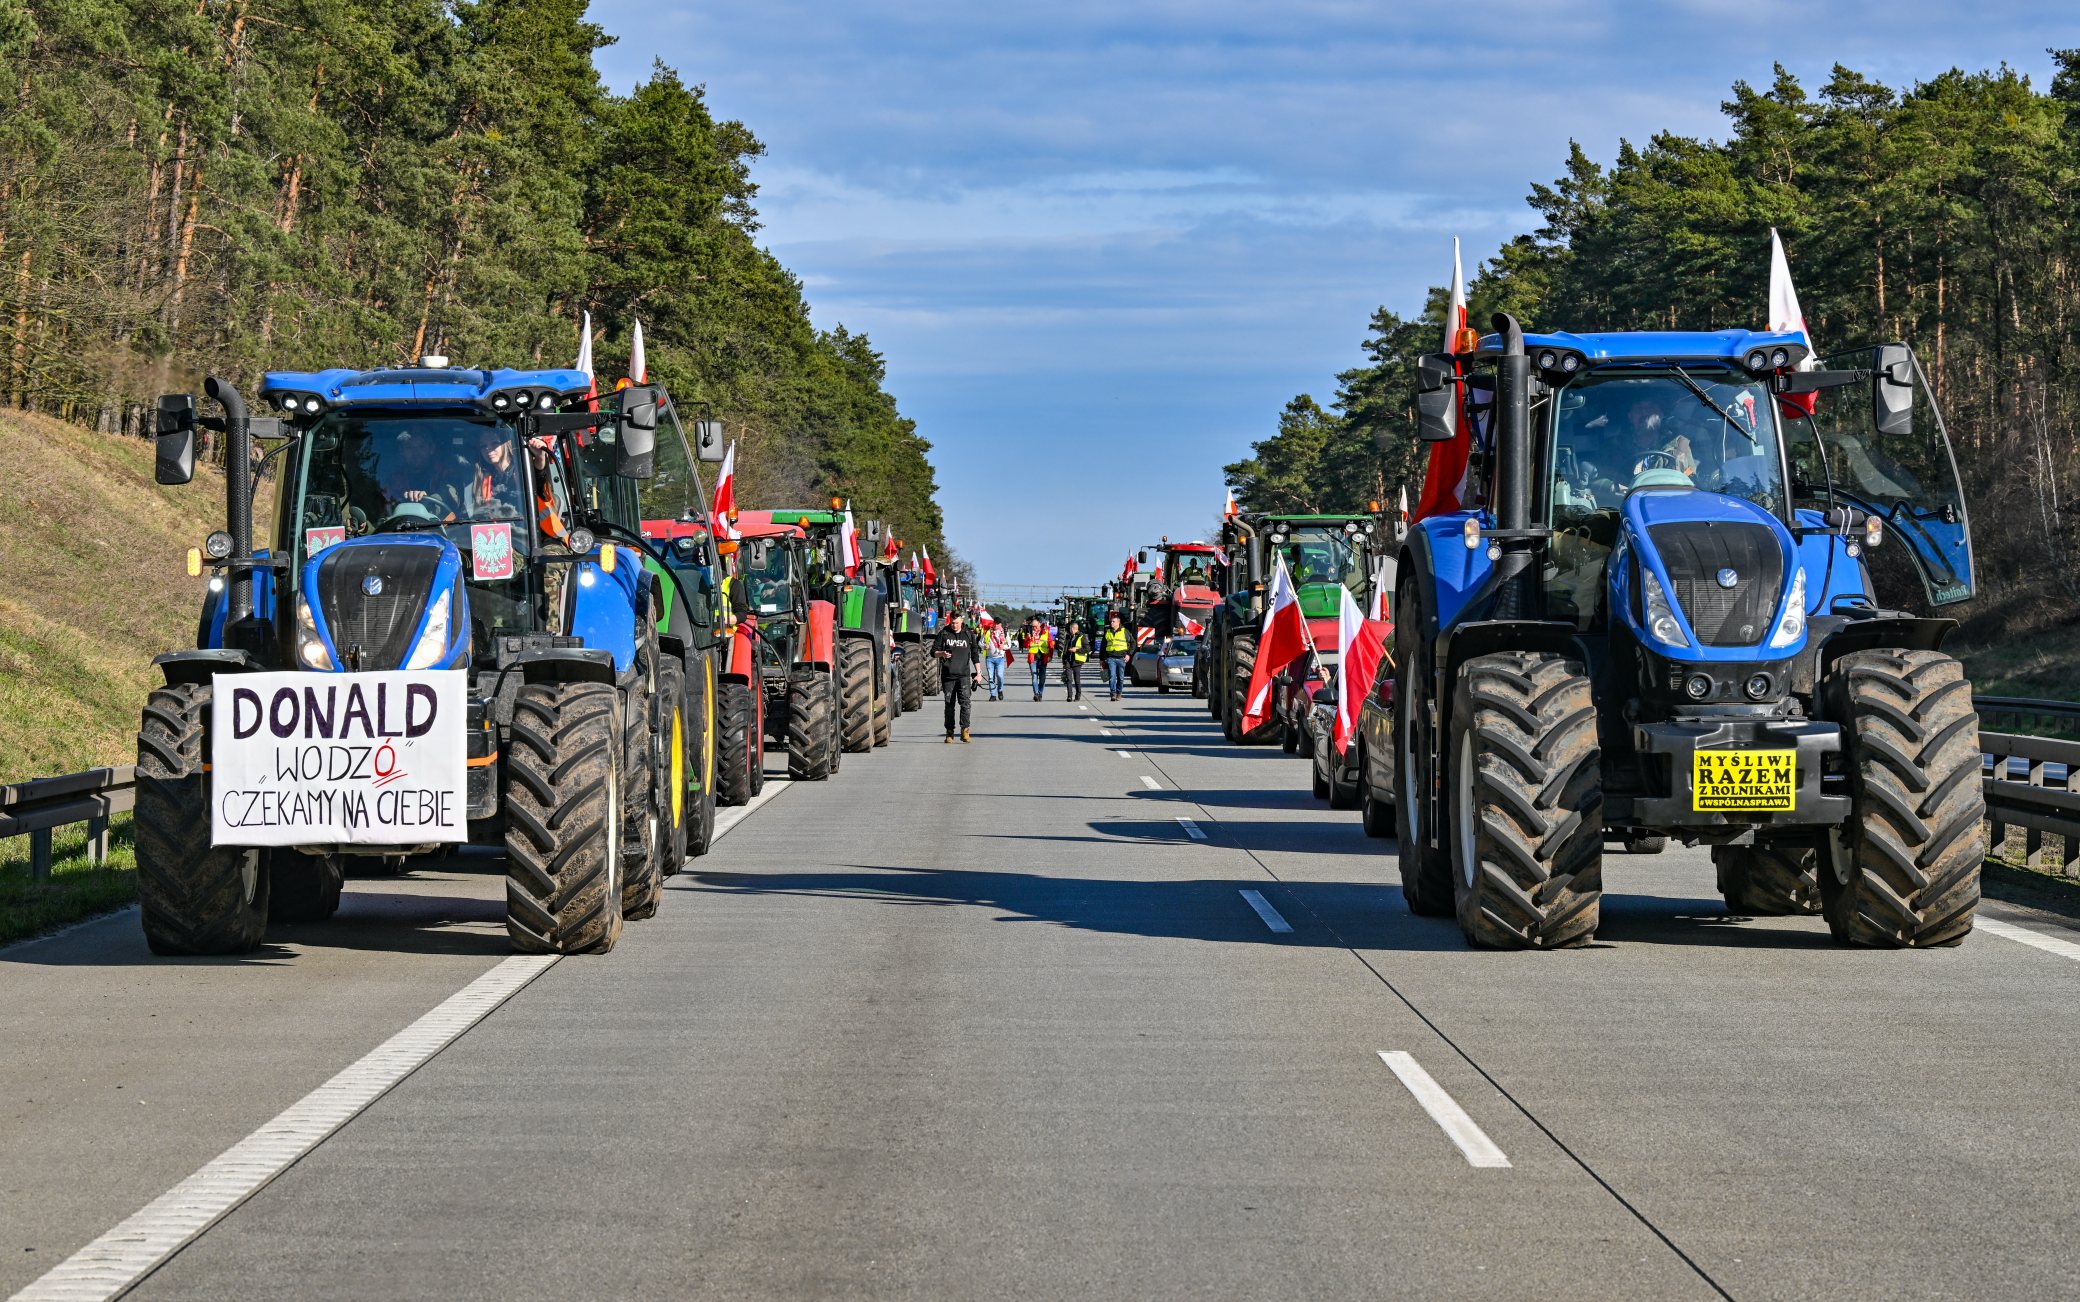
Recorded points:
(1469,856)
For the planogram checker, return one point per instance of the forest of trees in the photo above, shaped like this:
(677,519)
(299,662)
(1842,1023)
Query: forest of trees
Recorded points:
(232,186)
(1946,215)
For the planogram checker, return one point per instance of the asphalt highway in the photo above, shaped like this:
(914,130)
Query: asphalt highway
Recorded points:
(1097,1006)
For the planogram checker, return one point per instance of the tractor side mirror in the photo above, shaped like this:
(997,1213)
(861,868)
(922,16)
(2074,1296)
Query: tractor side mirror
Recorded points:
(635,433)
(707,440)
(1141,557)
(1892,391)
(1436,392)
(1434,415)
(174,462)
(874,534)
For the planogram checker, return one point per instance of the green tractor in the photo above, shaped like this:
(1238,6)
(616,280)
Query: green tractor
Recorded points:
(865,655)
(1325,555)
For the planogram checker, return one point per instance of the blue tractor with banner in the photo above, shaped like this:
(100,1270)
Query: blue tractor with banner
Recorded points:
(453,633)
(1661,615)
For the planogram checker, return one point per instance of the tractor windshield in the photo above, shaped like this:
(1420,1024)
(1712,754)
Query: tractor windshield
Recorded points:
(1322,553)
(768,579)
(1689,427)
(399,472)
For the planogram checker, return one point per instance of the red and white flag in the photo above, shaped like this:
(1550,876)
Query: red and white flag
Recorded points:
(931,571)
(848,537)
(1283,641)
(893,551)
(1786,315)
(1364,643)
(725,509)
(584,362)
(1229,512)
(1444,479)
(1127,571)
(638,364)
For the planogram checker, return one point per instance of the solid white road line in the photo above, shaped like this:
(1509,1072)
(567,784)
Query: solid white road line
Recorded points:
(111,1264)
(1191,829)
(118,1259)
(1444,1110)
(1148,781)
(1271,916)
(2034,939)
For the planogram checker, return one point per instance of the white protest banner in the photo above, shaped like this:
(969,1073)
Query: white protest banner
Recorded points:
(376,758)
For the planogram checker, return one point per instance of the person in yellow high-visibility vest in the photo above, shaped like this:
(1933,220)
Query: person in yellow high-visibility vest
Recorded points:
(1115,647)
(1039,648)
(1075,648)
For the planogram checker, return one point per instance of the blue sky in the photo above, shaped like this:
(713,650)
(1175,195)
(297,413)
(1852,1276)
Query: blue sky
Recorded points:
(1101,244)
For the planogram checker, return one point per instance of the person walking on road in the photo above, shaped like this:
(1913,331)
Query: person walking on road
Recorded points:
(960,672)
(995,647)
(1115,645)
(1075,648)
(1039,648)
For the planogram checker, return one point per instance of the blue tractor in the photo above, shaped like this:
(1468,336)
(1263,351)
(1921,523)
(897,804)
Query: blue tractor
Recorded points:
(1661,617)
(433,520)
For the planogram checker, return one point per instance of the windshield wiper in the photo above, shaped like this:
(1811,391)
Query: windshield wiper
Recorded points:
(1709,401)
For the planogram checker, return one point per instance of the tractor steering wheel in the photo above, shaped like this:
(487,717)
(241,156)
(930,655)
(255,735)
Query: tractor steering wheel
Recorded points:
(428,512)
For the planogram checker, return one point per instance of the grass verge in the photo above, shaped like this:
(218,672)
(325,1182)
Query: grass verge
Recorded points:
(76,889)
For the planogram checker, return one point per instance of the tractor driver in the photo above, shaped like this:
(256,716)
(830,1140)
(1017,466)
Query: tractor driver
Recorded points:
(1194,573)
(496,490)
(1633,436)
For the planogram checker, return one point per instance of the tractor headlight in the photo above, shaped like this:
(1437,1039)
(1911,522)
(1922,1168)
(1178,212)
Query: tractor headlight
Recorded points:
(311,650)
(433,642)
(1792,626)
(1662,624)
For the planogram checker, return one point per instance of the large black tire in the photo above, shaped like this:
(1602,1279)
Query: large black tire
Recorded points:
(735,748)
(303,888)
(1243,663)
(811,726)
(1527,802)
(194,898)
(1376,815)
(1426,869)
(856,694)
(758,738)
(642,760)
(672,728)
(913,675)
(700,753)
(884,710)
(1768,881)
(563,806)
(1905,870)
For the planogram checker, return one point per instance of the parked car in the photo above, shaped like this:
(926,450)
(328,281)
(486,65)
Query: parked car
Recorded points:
(1165,663)
(1335,776)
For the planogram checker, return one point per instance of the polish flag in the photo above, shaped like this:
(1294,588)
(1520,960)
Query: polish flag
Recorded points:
(724,511)
(931,571)
(638,364)
(891,552)
(1229,513)
(1364,643)
(584,362)
(1786,315)
(1444,480)
(848,538)
(1131,566)
(1283,641)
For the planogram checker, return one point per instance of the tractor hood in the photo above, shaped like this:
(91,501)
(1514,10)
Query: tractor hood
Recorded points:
(1724,568)
(386,601)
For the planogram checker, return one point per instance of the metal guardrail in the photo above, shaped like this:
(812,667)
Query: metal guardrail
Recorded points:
(36,808)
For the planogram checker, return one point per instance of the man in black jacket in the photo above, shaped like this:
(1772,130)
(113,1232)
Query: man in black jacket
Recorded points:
(960,670)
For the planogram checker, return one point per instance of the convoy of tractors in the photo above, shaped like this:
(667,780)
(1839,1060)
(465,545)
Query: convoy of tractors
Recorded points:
(1658,586)
(492,608)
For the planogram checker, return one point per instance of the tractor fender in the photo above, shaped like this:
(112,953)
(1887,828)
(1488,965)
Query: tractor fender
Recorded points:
(742,662)
(1450,576)
(822,647)
(568,664)
(1885,630)
(608,609)
(185,667)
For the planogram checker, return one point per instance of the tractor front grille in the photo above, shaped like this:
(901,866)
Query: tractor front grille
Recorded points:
(374,630)
(1695,551)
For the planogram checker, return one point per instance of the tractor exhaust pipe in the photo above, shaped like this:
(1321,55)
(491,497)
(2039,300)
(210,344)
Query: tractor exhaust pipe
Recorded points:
(1515,569)
(238,494)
